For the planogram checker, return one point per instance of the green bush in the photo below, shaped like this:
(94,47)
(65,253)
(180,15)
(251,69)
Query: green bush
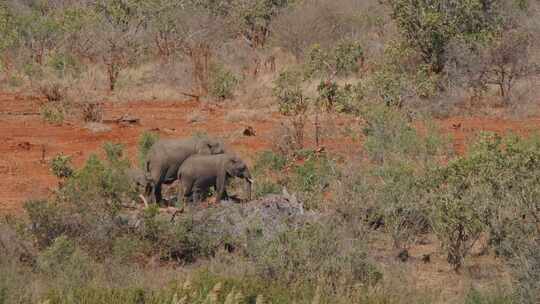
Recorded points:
(65,65)
(267,172)
(288,90)
(399,201)
(53,113)
(428,26)
(312,178)
(476,297)
(338,61)
(488,190)
(315,255)
(63,261)
(344,99)
(146,141)
(47,219)
(61,166)
(269,160)
(265,187)
(390,136)
(222,82)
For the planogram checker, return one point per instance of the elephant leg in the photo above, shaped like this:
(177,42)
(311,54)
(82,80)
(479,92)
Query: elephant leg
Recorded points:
(157,192)
(196,196)
(184,193)
(158,185)
(225,195)
(148,190)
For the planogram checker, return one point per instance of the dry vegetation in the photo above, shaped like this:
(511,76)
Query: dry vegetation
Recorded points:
(401,219)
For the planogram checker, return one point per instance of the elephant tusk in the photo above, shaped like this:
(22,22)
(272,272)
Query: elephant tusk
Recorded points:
(250,180)
(144,200)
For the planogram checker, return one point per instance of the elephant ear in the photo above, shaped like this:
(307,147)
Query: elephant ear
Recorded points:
(216,147)
(204,147)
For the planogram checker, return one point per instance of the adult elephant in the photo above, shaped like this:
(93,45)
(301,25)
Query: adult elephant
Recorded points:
(200,172)
(167,155)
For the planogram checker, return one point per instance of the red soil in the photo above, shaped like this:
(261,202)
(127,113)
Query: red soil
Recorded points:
(27,143)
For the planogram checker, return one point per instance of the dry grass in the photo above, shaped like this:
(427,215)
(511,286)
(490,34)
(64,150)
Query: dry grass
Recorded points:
(246,116)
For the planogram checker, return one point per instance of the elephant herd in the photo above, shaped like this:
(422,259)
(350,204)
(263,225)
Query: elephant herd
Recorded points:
(197,163)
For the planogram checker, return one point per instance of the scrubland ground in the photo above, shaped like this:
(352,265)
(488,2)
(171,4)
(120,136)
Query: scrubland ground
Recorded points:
(393,144)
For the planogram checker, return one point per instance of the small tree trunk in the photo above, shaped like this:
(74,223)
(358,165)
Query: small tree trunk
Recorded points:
(113,70)
(200,58)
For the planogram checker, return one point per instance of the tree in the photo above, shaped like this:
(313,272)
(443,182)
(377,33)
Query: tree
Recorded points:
(117,34)
(194,29)
(7,32)
(506,61)
(429,25)
(252,19)
(38,29)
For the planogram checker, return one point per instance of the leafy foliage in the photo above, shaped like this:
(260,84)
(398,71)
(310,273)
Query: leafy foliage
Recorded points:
(146,141)
(288,90)
(222,82)
(61,166)
(341,60)
(429,25)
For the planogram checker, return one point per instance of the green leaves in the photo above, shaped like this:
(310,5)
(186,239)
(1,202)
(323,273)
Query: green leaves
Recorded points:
(222,82)
(339,61)
(288,90)
(485,191)
(429,25)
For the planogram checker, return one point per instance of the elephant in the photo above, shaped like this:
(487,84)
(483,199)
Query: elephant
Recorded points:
(200,172)
(137,178)
(167,155)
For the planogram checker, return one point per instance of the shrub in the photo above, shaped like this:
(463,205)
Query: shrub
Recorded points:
(47,221)
(222,82)
(340,60)
(312,179)
(267,172)
(476,297)
(483,192)
(315,255)
(344,99)
(501,60)
(91,111)
(288,90)
(428,26)
(63,261)
(390,136)
(65,64)
(264,187)
(404,157)
(400,204)
(53,113)
(146,141)
(61,166)
(53,91)
(269,160)
(104,182)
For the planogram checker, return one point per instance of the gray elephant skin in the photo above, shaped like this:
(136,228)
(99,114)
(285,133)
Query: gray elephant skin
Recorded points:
(138,179)
(167,155)
(200,172)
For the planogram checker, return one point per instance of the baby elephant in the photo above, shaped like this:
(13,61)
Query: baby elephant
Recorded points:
(200,172)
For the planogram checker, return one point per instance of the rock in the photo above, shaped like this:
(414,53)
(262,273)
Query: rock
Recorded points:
(96,127)
(403,255)
(248,131)
(270,215)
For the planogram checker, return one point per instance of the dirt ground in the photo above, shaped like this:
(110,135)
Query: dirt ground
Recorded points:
(27,143)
